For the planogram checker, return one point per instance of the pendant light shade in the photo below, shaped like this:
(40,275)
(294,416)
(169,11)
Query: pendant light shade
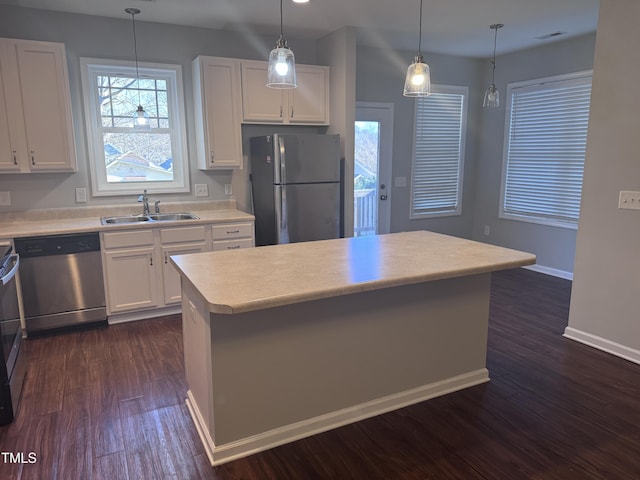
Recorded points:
(418,80)
(140,117)
(492,95)
(282,64)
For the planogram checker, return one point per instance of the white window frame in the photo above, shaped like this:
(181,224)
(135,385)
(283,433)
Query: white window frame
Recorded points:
(90,68)
(456,209)
(550,219)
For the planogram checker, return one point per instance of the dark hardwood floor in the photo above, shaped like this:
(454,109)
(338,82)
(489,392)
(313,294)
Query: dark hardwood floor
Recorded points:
(109,404)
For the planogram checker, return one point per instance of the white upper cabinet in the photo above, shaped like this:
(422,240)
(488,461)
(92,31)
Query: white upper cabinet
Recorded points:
(36,127)
(306,105)
(217,98)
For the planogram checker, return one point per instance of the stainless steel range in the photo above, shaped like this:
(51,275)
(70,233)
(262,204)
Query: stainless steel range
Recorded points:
(13,368)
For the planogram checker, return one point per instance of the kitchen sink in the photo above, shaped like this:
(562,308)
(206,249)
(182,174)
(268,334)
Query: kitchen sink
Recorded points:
(159,217)
(152,217)
(124,219)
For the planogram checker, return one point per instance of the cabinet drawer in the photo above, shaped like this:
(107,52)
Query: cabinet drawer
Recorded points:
(232,230)
(182,234)
(232,244)
(134,238)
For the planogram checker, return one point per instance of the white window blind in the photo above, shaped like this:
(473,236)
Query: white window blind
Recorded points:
(545,149)
(439,137)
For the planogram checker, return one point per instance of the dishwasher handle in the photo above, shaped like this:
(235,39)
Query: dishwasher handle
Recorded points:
(7,277)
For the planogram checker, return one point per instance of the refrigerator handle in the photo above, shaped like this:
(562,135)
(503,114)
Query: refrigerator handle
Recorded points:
(282,227)
(282,173)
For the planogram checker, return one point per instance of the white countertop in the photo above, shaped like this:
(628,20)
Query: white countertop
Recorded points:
(256,278)
(14,228)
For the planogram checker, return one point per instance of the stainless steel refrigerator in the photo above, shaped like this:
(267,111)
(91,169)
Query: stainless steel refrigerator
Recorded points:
(296,184)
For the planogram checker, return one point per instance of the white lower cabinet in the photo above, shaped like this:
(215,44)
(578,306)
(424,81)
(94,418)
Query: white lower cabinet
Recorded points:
(137,270)
(232,236)
(178,241)
(129,262)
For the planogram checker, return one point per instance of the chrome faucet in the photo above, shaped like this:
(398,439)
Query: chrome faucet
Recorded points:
(157,206)
(145,203)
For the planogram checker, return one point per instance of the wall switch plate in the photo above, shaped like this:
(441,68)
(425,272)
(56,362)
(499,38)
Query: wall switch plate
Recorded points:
(5,199)
(629,200)
(401,181)
(81,195)
(487,230)
(202,190)
(228,190)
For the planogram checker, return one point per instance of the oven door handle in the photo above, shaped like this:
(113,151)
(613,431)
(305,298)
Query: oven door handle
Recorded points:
(15,258)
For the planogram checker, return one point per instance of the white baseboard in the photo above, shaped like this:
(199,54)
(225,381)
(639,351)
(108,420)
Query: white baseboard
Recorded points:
(550,271)
(603,344)
(219,454)
(143,315)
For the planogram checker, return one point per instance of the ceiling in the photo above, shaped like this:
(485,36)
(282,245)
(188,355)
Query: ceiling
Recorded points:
(453,27)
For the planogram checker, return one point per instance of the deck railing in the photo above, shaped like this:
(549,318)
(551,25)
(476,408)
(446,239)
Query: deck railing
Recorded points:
(365,212)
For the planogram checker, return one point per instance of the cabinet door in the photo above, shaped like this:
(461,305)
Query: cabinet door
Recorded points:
(260,104)
(170,276)
(309,103)
(46,106)
(131,279)
(217,84)
(13,145)
(8,154)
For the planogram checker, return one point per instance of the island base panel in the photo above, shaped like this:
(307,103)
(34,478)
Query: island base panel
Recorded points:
(268,377)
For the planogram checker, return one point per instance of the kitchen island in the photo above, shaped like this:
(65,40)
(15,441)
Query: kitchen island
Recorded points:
(285,341)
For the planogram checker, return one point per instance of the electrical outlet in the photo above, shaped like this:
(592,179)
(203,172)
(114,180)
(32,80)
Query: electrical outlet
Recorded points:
(81,195)
(487,230)
(5,199)
(228,190)
(202,190)
(629,200)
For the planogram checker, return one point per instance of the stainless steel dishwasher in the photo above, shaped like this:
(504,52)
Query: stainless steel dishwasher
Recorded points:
(61,281)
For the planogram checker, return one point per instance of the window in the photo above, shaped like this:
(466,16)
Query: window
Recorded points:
(438,158)
(124,160)
(546,137)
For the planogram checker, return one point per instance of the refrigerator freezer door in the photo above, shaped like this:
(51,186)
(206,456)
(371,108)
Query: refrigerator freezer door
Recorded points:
(306,158)
(307,212)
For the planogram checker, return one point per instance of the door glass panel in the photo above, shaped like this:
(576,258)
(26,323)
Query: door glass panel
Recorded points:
(365,178)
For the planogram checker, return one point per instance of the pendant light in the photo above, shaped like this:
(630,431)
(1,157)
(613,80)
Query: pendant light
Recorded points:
(418,80)
(492,95)
(282,64)
(140,117)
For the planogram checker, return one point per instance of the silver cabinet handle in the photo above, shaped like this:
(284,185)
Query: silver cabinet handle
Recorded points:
(166,258)
(15,157)
(33,157)
(212,157)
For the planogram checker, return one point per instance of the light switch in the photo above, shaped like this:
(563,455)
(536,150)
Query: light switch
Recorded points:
(401,181)
(228,190)
(629,200)
(5,199)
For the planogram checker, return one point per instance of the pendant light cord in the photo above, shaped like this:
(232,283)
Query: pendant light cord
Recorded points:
(133,12)
(420,35)
(495,42)
(281,29)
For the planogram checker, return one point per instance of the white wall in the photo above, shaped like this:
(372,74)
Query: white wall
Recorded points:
(380,77)
(605,302)
(554,246)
